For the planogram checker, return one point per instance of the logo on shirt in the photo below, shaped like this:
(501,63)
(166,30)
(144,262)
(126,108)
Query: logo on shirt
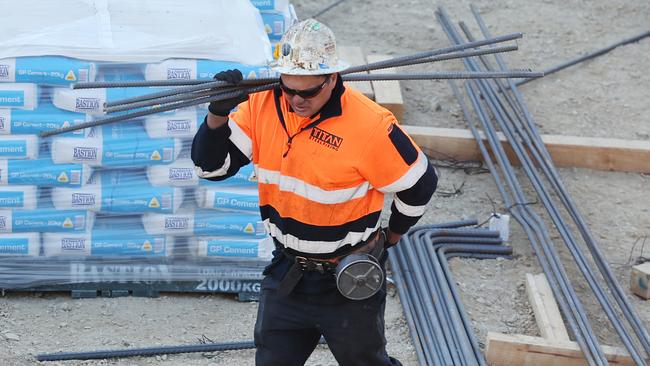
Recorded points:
(325,138)
(3,223)
(4,71)
(175,74)
(2,123)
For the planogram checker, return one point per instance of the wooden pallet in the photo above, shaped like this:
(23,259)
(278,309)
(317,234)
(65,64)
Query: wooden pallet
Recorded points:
(117,277)
(554,348)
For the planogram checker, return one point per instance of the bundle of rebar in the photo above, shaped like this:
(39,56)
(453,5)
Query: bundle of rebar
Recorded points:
(188,93)
(499,107)
(441,331)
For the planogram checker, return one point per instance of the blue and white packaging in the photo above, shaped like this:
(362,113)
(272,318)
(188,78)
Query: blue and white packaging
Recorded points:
(44,118)
(18,197)
(278,5)
(19,147)
(46,70)
(106,243)
(204,223)
(245,177)
(91,101)
(23,96)
(177,174)
(182,173)
(108,151)
(188,69)
(242,199)
(182,124)
(42,172)
(275,24)
(21,244)
(119,192)
(45,220)
(88,197)
(231,248)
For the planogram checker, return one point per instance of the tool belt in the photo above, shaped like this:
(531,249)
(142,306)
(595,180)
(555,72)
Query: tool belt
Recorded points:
(303,263)
(313,264)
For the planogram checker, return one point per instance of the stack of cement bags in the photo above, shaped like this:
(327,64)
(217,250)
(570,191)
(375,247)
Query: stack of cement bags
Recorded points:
(126,190)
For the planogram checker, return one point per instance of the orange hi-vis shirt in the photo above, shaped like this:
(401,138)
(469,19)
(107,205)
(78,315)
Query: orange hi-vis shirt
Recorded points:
(322,180)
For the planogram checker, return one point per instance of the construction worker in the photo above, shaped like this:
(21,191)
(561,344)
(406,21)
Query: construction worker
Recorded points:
(324,157)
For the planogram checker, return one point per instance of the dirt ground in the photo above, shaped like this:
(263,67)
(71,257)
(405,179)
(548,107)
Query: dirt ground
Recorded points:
(606,97)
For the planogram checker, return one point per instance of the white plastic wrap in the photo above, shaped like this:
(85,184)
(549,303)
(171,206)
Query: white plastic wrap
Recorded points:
(134,31)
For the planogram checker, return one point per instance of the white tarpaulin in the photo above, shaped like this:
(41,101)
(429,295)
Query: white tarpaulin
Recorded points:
(134,31)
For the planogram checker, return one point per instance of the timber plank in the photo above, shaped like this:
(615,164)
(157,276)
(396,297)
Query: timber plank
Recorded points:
(566,151)
(355,57)
(547,314)
(523,350)
(387,93)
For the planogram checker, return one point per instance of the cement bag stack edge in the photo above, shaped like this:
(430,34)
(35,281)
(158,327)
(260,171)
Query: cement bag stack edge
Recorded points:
(127,190)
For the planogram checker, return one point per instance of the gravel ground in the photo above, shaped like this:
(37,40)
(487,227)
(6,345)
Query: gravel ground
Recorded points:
(606,97)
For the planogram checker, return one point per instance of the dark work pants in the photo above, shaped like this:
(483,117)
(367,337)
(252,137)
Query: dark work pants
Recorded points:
(289,327)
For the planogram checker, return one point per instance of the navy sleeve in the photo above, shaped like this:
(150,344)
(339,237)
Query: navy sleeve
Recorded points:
(215,154)
(409,205)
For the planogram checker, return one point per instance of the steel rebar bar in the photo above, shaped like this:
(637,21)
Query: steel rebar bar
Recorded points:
(327,8)
(150,351)
(222,96)
(213,84)
(348,78)
(521,214)
(531,135)
(219,85)
(588,56)
(351,70)
(513,129)
(154,110)
(594,354)
(425,251)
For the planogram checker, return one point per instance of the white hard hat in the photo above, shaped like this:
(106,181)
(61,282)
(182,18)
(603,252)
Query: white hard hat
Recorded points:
(308,48)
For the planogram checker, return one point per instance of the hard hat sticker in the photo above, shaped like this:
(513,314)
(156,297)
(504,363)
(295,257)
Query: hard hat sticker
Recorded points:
(286,49)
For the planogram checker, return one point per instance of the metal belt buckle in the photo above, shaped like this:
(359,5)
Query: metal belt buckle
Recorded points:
(309,265)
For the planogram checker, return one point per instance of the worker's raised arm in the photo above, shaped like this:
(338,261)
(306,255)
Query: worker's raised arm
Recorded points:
(221,146)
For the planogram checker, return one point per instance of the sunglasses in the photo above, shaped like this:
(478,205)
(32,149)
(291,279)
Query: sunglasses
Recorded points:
(305,94)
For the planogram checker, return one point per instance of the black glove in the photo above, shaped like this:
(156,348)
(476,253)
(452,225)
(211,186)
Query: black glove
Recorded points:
(223,107)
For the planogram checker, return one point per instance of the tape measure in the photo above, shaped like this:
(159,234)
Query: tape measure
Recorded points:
(359,275)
